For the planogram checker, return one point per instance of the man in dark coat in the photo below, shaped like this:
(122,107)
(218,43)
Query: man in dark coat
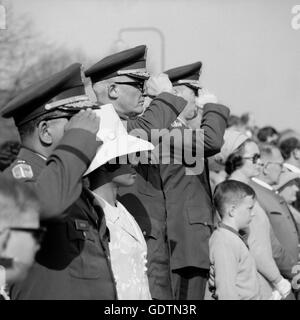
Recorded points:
(282,220)
(190,214)
(57,148)
(120,79)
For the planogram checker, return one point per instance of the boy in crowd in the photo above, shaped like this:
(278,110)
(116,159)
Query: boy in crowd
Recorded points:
(235,271)
(20,232)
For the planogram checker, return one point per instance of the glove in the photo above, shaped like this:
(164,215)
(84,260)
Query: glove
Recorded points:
(275,295)
(204,96)
(284,287)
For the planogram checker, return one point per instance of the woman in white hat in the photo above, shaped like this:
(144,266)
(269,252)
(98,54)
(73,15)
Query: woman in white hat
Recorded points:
(109,170)
(242,162)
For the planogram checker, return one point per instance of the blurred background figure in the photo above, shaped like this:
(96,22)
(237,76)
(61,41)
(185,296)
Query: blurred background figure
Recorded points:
(286,134)
(20,234)
(288,188)
(234,122)
(8,153)
(248,124)
(267,134)
(290,150)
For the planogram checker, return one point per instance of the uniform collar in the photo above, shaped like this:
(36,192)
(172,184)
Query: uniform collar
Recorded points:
(242,236)
(26,153)
(291,167)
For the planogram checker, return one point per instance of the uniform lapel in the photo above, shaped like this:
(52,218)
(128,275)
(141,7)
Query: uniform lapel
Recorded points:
(87,204)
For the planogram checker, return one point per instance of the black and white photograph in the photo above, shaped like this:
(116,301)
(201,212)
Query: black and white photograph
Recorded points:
(150,150)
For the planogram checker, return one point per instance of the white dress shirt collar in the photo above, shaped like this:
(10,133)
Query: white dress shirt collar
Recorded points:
(263,184)
(291,167)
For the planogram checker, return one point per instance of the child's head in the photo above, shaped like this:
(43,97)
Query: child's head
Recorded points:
(235,200)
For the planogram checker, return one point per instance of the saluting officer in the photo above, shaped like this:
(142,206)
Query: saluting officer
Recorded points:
(188,196)
(58,144)
(120,79)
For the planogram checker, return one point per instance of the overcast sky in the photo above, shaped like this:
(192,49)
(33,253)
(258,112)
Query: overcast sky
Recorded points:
(249,50)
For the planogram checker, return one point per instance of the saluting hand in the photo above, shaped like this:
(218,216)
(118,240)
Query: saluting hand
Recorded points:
(86,120)
(204,96)
(158,84)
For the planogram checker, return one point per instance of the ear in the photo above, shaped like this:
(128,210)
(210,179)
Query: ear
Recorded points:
(296,154)
(265,170)
(113,91)
(44,133)
(231,210)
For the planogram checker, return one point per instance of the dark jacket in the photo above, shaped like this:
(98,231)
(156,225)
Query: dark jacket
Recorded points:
(190,213)
(73,262)
(145,199)
(283,225)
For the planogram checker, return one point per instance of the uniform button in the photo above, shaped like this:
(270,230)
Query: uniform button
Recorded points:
(144,232)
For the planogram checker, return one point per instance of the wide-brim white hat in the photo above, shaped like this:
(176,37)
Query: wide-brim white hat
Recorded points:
(116,141)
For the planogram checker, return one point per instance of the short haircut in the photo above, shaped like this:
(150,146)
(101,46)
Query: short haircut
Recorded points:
(28,128)
(266,132)
(230,192)
(287,146)
(15,199)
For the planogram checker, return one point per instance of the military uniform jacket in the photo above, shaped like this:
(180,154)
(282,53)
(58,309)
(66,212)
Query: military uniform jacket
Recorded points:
(283,224)
(73,262)
(190,213)
(145,200)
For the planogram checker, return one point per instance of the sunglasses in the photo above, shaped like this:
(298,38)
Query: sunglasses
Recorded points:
(37,233)
(254,158)
(137,84)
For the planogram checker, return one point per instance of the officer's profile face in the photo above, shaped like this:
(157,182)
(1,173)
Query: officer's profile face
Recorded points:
(130,101)
(195,123)
(186,93)
(190,110)
(22,246)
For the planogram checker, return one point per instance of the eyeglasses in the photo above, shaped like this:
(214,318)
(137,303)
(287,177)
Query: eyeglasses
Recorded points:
(137,84)
(280,164)
(254,158)
(37,233)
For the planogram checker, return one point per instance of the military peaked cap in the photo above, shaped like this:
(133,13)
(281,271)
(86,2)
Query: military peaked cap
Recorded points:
(186,75)
(62,94)
(131,63)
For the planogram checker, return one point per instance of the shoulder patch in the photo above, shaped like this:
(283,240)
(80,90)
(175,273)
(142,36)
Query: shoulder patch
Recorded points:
(22,170)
